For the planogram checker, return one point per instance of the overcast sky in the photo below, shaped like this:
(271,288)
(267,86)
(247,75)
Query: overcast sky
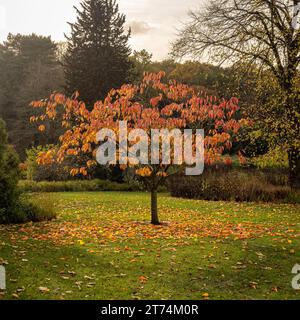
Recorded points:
(154,22)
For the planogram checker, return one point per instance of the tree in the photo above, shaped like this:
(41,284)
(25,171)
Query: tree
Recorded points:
(263,34)
(29,70)
(141,62)
(152,104)
(9,176)
(213,80)
(97,57)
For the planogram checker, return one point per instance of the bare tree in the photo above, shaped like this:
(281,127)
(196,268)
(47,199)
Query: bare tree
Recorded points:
(264,33)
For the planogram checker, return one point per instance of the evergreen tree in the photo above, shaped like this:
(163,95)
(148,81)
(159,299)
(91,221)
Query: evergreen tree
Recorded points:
(9,176)
(13,208)
(97,58)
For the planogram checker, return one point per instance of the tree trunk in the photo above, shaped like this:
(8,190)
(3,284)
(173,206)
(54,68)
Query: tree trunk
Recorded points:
(294,168)
(293,152)
(154,210)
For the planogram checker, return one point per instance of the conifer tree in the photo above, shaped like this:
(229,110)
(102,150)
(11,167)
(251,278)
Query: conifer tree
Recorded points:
(9,176)
(97,57)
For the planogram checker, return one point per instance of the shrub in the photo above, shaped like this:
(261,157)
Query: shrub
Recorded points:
(38,209)
(76,186)
(9,175)
(293,197)
(13,209)
(275,158)
(236,185)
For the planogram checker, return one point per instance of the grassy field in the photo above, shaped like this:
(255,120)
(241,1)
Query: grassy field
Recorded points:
(102,247)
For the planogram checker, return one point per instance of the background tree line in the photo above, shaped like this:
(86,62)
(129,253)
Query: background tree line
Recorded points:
(32,68)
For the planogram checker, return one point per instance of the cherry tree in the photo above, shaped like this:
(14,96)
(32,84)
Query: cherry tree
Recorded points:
(155,116)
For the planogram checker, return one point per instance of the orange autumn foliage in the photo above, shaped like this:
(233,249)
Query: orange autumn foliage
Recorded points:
(151,104)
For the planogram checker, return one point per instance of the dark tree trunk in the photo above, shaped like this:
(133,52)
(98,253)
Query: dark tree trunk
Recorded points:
(154,209)
(294,152)
(294,168)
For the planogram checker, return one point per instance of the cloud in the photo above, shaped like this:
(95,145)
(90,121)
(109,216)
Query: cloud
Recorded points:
(153,22)
(139,27)
(2,17)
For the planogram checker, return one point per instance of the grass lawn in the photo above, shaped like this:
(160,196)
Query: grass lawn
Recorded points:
(102,247)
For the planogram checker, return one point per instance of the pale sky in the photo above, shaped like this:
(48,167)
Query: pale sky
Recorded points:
(154,22)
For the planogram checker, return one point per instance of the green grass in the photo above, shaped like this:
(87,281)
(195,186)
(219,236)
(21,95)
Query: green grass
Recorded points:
(102,247)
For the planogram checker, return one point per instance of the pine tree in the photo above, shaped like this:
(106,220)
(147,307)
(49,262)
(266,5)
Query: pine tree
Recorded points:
(97,58)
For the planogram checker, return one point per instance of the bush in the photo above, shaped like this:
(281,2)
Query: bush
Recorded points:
(293,197)
(275,158)
(13,209)
(233,185)
(35,210)
(76,186)
(9,175)
(39,208)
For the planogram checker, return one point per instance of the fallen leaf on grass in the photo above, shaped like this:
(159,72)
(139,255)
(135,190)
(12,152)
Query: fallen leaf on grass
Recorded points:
(143,279)
(44,289)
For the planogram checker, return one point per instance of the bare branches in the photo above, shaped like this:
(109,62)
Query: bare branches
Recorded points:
(254,31)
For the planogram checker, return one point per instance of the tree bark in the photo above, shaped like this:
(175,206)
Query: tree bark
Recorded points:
(294,168)
(293,152)
(154,209)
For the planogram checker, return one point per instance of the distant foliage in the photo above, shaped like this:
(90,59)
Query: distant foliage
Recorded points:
(76,186)
(275,158)
(30,70)
(49,172)
(233,185)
